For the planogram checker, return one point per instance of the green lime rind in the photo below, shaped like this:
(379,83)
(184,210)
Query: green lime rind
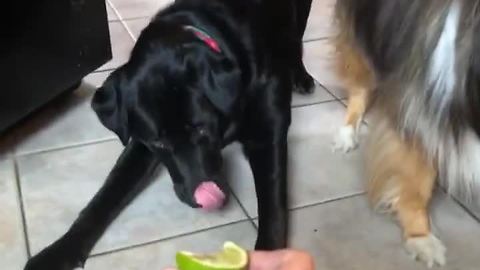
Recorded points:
(232,257)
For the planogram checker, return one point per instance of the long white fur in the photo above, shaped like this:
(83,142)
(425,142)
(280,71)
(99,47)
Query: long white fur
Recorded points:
(458,162)
(441,73)
(424,110)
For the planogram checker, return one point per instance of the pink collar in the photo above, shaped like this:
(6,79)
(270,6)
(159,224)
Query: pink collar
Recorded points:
(203,36)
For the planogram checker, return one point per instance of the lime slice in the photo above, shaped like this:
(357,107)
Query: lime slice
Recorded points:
(232,257)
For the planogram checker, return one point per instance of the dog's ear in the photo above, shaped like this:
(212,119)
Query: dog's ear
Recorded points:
(110,104)
(223,87)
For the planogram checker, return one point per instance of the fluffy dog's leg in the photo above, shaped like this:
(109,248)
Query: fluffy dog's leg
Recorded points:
(401,182)
(358,79)
(347,136)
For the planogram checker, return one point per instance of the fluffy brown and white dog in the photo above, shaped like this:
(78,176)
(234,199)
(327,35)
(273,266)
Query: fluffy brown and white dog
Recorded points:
(418,63)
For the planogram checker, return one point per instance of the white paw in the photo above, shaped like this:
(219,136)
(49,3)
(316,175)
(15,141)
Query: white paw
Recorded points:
(427,249)
(345,139)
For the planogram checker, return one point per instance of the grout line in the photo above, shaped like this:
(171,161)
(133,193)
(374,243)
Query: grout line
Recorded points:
(136,18)
(459,203)
(115,10)
(250,219)
(148,243)
(120,19)
(353,195)
(111,69)
(243,209)
(22,207)
(315,39)
(130,19)
(59,148)
(346,197)
(330,92)
(465,208)
(314,103)
(93,142)
(130,33)
(102,70)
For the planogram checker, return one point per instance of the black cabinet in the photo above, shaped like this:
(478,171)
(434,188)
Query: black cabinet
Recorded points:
(47,47)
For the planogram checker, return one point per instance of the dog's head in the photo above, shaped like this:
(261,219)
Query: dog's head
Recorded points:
(176,96)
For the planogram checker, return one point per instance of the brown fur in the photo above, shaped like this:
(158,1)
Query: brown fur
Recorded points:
(356,74)
(420,61)
(401,180)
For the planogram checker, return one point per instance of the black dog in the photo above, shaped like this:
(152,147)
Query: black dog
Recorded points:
(203,74)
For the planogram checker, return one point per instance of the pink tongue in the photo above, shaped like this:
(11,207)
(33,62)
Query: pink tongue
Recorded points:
(209,196)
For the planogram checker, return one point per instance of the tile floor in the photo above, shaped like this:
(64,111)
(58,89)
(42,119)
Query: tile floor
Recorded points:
(52,165)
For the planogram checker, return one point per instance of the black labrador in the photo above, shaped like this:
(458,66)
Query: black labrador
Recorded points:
(203,73)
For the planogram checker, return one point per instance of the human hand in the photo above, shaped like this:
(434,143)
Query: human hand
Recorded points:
(286,259)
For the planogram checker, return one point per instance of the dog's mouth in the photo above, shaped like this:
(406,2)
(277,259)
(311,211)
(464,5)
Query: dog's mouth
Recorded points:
(209,196)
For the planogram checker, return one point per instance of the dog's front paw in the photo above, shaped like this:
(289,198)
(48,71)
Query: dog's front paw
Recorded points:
(52,258)
(271,237)
(305,85)
(345,140)
(428,249)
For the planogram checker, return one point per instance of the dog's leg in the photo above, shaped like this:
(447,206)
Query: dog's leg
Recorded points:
(304,82)
(402,182)
(129,177)
(265,143)
(303,11)
(412,213)
(356,74)
(347,137)
(269,163)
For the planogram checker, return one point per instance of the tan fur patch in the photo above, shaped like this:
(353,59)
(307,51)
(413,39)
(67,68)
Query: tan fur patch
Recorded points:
(355,72)
(401,179)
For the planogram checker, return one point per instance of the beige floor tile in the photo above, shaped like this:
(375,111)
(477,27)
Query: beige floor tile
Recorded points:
(347,235)
(320,22)
(110,12)
(472,204)
(137,25)
(320,95)
(315,173)
(65,122)
(122,44)
(162,254)
(57,185)
(96,79)
(139,8)
(318,58)
(12,243)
